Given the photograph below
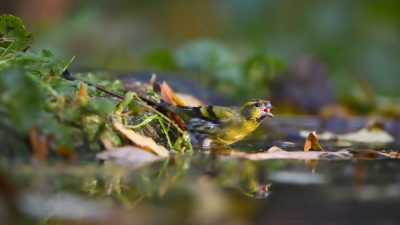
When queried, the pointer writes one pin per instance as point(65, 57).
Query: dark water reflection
point(205, 189)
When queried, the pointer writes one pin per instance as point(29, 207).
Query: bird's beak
point(267, 109)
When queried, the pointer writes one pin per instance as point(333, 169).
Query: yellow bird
point(217, 125)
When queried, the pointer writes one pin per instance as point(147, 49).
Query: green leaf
point(13, 35)
point(21, 96)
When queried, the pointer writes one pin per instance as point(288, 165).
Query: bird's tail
point(167, 106)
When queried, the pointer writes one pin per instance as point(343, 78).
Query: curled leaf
point(312, 143)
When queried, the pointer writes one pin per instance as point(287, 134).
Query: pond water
point(206, 187)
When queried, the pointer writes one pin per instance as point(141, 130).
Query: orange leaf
point(82, 94)
point(312, 142)
point(169, 95)
point(178, 121)
point(189, 100)
point(39, 145)
point(144, 142)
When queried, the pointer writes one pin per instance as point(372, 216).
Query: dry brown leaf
point(189, 100)
point(83, 95)
point(144, 142)
point(169, 96)
point(39, 145)
point(312, 142)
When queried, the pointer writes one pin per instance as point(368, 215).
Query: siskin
point(217, 125)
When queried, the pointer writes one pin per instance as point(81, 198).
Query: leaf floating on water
point(127, 154)
point(281, 154)
point(144, 142)
point(312, 143)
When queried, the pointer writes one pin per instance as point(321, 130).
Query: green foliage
point(20, 98)
point(39, 64)
point(13, 35)
point(33, 93)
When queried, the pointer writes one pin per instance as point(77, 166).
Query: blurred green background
point(303, 55)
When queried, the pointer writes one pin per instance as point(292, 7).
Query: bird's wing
point(214, 114)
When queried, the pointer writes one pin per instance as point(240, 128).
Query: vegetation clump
point(43, 114)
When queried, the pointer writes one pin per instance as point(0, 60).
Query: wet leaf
point(280, 154)
point(141, 141)
point(312, 143)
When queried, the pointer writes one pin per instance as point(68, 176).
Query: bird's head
point(257, 109)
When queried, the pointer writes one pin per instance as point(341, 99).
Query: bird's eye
point(257, 105)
